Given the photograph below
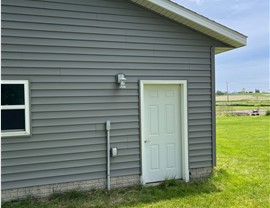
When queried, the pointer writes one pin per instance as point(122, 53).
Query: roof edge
point(195, 21)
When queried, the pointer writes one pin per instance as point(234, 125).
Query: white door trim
point(184, 122)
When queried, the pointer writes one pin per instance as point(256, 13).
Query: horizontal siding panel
point(80, 128)
point(102, 58)
point(199, 98)
point(51, 158)
point(64, 150)
point(101, 3)
point(201, 158)
point(196, 110)
point(126, 172)
point(199, 116)
point(201, 164)
point(126, 165)
point(68, 107)
point(78, 86)
point(194, 51)
point(127, 44)
point(194, 95)
point(49, 144)
point(200, 104)
point(93, 79)
point(112, 66)
point(110, 31)
point(13, 52)
point(73, 135)
point(196, 67)
point(200, 146)
point(78, 8)
point(200, 122)
point(110, 75)
point(200, 152)
point(52, 151)
point(200, 91)
point(65, 157)
point(16, 61)
point(53, 166)
point(67, 178)
point(131, 121)
point(82, 114)
point(194, 134)
point(65, 143)
point(52, 180)
point(53, 173)
point(67, 164)
point(81, 93)
point(125, 159)
point(133, 73)
point(49, 137)
point(64, 28)
point(95, 37)
point(96, 23)
point(65, 171)
point(82, 15)
point(73, 17)
point(200, 128)
point(82, 100)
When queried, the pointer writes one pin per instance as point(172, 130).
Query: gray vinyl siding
point(70, 51)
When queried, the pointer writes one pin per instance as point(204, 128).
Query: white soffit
point(197, 22)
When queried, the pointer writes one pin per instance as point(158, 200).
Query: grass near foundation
point(241, 178)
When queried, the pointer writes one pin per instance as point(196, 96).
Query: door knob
point(146, 141)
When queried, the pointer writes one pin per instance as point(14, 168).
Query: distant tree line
point(219, 92)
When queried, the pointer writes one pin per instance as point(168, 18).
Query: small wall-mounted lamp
point(121, 80)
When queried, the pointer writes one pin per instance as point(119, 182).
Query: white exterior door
point(162, 132)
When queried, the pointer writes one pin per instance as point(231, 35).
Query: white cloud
point(241, 7)
point(198, 2)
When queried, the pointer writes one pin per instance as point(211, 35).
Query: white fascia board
point(195, 21)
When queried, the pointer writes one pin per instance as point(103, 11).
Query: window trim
point(26, 105)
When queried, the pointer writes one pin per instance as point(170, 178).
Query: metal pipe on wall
point(108, 128)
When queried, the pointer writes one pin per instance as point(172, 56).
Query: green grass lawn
point(241, 178)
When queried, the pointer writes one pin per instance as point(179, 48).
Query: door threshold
point(159, 182)
point(153, 183)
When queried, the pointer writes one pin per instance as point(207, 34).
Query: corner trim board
point(213, 78)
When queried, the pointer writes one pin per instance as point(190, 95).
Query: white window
point(15, 119)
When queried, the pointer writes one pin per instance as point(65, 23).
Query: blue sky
point(246, 67)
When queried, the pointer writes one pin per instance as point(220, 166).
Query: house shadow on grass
point(169, 189)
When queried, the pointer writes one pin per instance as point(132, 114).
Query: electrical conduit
point(108, 128)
